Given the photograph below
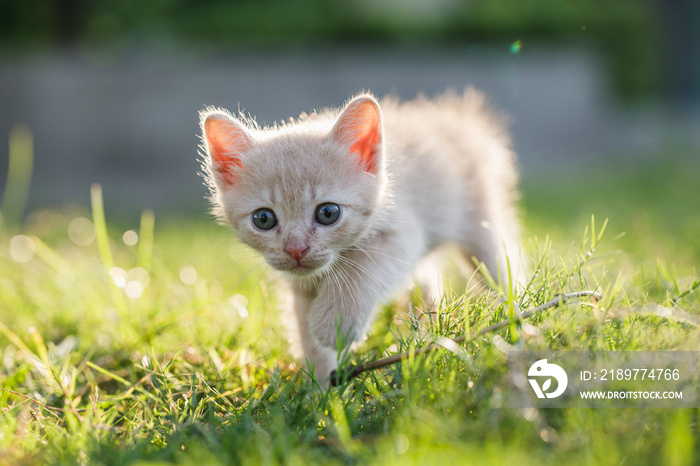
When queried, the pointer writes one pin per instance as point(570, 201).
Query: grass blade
point(98, 218)
point(19, 174)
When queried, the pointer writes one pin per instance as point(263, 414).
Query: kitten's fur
point(408, 177)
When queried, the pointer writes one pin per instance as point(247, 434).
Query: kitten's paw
point(321, 365)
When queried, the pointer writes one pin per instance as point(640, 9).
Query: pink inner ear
point(360, 125)
point(226, 141)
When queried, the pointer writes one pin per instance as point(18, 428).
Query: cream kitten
point(346, 203)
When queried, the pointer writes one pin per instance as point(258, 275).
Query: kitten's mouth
point(303, 269)
point(307, 269)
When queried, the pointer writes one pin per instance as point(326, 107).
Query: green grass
point(172, 349)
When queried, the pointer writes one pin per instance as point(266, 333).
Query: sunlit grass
point(163, 341)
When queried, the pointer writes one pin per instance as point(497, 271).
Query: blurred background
point(109, 91)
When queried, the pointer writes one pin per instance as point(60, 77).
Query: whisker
point(216, 245)
point(375, 250)
point(257, 283)
point(333, 274)
point(383, 289)
point(253, 255)
point(349, 289)
point(359, 267)
point(247, 273)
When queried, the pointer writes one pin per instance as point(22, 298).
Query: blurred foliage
point(164, 343)
point(626, 31)
point(653, 196)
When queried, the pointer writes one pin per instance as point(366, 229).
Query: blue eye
point(328, 213)
point(264, 219)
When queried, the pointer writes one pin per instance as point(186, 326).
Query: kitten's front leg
point(359, 280)
point(318, 360)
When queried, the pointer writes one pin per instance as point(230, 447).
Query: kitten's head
point(303, 193)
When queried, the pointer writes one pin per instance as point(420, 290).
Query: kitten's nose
point(296, 251)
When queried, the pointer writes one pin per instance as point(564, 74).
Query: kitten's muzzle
point(307, 264)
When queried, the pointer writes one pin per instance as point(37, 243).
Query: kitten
point(346, 203)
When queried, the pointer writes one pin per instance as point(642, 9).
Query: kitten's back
point(449, 154)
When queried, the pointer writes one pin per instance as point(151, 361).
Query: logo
point(543, 369)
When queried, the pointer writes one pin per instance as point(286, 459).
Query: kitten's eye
point(264, 219)
point(328, 213)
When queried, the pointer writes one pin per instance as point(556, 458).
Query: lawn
point(162, 341)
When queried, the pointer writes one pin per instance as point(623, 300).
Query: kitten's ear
point(226, 140)
point(360, 127)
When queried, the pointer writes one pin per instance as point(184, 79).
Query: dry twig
point(347, 373)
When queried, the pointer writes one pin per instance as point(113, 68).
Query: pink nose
point(297, 252)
